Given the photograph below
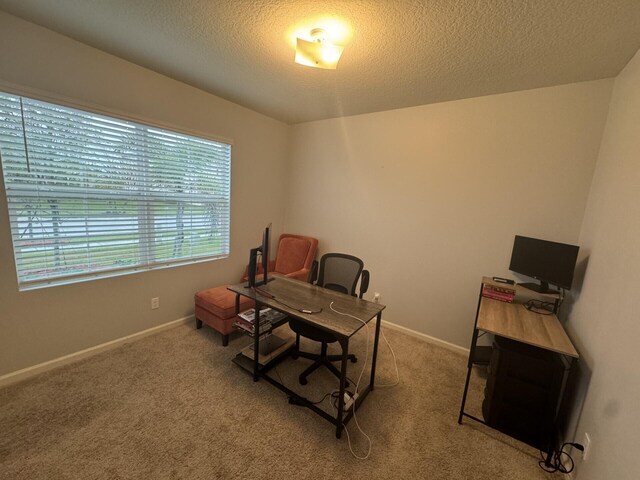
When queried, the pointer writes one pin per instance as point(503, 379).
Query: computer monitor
point(263, 252)
point(269, 342)
point(546, 261)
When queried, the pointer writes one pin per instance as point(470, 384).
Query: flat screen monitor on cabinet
point(548, 262)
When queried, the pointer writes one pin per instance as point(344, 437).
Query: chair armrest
point(364, 282)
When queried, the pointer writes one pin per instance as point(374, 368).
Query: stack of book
point(504, 294)
point(246, 320)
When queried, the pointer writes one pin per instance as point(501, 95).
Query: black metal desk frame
point(325, 297)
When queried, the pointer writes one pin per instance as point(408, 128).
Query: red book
point(490, 293)
point(510, 291)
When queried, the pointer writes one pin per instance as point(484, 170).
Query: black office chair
point(338, 272)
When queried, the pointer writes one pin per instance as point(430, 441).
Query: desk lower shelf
point(245, 358)
point(246, 363)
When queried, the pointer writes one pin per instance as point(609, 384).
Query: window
point(93, 196)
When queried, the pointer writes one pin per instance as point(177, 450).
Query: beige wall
point(604, 320)
point(431, 197)
point(40, 325)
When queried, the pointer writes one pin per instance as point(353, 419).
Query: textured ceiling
point(398, 53)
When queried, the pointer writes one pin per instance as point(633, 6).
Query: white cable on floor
point(395, 364)
point(353, 405)
point(393, 354)
point(355, 418)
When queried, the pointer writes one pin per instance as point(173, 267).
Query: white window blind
point(92, 196)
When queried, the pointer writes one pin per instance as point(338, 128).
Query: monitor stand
point(542, 287)
point(269, 343)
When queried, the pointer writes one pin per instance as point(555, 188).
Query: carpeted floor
point(173, 406)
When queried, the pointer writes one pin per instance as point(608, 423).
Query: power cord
point(395, 363)
point(355, 418)
point(539, 307)
point(556, 461)
point(321, 400)
point(335, 394)
point(308, 311)
point(357, 385)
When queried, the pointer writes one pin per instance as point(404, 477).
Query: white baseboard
point(436, 341)
point(28, 372)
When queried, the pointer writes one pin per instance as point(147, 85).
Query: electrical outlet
point(376, 297)
point(155, 303)
point(586, 443)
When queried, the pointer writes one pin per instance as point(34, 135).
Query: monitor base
point(542, 287)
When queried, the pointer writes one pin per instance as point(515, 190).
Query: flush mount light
point(318, 52)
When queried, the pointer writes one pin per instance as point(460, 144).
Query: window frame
point(116, 115)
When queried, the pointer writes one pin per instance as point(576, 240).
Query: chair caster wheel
point(354, 360)
point(303, 381)
point(294, 356)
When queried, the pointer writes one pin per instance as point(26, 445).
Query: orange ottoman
point(217, 308)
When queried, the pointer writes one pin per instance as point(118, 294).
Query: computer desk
point(292, 295)
point(513, 321)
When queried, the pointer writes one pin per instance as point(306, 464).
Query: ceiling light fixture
point(318, 52)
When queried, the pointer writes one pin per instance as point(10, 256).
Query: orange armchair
point(294, 257)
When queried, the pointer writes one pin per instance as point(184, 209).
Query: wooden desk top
point(297, 294)
point(513, 321)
